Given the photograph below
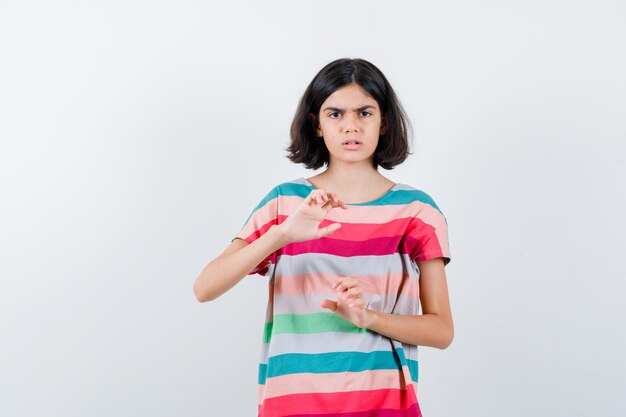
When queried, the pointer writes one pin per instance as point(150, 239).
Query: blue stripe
point(397, 197)
point(322, 363)
point(413, 368)
point(268, 197)
point(262, 373)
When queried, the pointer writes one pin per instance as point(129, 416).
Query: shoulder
point(408, 194)
point(293, 187)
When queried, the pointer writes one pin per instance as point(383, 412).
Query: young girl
point(349, 255)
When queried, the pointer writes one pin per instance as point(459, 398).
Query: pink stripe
point(334, 246)
point(360, 232)
point(334, 382)
point(442, 248)
point(364, 238)
point(412, 411)
point(315, 283)
point(369, 214)
point(259, 220)
point(425, 241)
point(337, 402)
point(283, 206)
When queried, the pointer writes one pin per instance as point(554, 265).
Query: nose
point(350, 123)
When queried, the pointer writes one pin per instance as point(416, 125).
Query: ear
point(315, 122)
point(383, 125)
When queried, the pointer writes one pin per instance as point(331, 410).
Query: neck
point(352, 181)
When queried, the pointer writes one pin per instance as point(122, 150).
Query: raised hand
point(303, 224)
point(350, 304)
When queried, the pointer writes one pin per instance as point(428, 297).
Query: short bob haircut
point(307, 148)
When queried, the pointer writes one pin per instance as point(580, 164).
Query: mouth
point(351, 144)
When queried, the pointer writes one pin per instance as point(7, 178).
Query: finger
point(355, 292)
point(337, 202)
point(359, 303)
point(325, 231)
point(338, 282)
point(349, 297)
point(351, 282)
point(332, 199)
point(334, 202)
point(311, 198)
point(347, 284)
point(329, 304)
point(328, 206)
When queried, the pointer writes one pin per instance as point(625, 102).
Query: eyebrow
point(356, 109)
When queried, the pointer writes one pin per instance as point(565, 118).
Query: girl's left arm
point(434, 327)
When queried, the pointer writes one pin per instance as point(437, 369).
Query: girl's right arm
point(225, 271)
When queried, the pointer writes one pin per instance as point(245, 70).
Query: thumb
point(329, 304)
point(325, 231)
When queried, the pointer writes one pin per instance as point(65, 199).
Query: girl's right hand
point(303, 223)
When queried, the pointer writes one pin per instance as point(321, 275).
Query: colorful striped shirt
point(313, 362)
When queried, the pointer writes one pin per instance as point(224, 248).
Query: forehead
point(351, 93)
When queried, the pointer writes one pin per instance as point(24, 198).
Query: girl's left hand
point(349, 304)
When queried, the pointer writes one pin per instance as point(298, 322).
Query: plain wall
point(137, 136)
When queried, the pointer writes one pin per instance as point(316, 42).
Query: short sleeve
point(260, 220)
point(427, 235)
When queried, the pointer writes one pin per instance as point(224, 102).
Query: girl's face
point(350, 114)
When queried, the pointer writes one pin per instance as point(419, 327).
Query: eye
point(331, 114)
point(366, 112)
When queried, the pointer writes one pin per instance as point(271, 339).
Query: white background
point(137, 136)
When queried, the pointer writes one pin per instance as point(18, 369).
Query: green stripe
point(309, 323)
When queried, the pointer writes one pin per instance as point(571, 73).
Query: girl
point(349, 255)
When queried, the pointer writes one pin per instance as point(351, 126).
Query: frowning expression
point(350, 122)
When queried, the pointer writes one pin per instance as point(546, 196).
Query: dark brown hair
point(307, 148)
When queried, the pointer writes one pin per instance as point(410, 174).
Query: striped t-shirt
point(313, 362)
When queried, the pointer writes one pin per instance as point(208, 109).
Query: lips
point(345, 142)
point(351, 146)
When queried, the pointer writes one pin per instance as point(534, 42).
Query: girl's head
point(319, 123)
